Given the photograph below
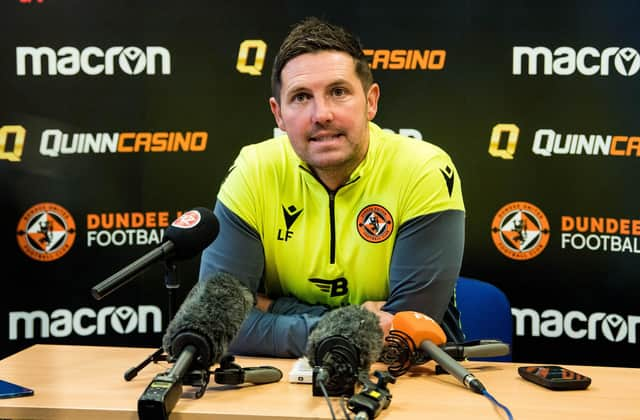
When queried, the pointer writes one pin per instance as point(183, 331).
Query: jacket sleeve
point(283, 330)
point(425, 266)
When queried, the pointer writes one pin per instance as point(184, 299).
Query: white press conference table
point(86, 382)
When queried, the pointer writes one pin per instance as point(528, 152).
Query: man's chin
point(328, 163)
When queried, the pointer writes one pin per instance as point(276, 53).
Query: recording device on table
point(11, 390)
point(557, 378)
point(230, 373)
point(373, 398)
point(185, 238)
point(341, 350)
point(196, 339)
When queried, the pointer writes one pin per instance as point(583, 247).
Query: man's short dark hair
point(313, 35)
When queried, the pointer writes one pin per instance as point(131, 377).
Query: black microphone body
point(196, 338)
point(373, 398)
point(163, 392)
point(132, 270)
point(230, 373)
point(183, 239)
point(345, 342)
point(477, 348)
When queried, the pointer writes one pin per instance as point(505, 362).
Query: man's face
point(325, 110)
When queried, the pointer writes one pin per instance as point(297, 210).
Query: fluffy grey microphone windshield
point(358, 325)
point(209, 318)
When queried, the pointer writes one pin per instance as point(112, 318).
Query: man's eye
point(339, 91)
point(300, 97)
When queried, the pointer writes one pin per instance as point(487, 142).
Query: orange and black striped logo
point(46, 232)
point(520, 230)
point(374, 223)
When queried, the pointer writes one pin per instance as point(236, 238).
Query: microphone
point(230, 373)
point(188, 235)
point(476, 348)
point(373, 398)
point(345, 342)
point(209, 318)
point(399, 351)
point(428, 335)
point(196, 338)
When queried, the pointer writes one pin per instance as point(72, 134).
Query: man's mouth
point(320, 137)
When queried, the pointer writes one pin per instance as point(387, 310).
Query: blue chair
point(485, 313)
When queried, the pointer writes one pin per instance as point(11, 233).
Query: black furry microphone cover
point(209, 318)
point(358, 325)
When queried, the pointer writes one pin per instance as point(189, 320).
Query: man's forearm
point(274, 335)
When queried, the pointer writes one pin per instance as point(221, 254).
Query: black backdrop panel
point(116, 116)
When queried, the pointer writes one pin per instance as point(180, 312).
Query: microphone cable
point(497, 403)
point(326, 398)
point(343, 406)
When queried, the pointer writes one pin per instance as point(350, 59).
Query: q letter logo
point(18, 133)
point(246, 47)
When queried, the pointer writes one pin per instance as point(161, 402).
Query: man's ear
point(275, 110)
point(372, 100)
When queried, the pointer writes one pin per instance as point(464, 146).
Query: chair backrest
point(485, 313)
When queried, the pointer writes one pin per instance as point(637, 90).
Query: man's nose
point(323, 110)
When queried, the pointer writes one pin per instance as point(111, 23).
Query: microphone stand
point(373, 398)
point(171, 283)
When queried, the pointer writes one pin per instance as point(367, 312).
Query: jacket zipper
point(332, 223)
point(332, 213)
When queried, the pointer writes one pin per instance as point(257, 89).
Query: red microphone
point(184, 238)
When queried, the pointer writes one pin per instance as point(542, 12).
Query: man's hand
point(263, 302)
point(385, 318)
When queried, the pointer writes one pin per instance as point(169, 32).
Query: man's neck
point(332, 180)
point(335, 177)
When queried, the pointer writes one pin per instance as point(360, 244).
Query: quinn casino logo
point(520, 230)
point(374, 223)
point(46, 232)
